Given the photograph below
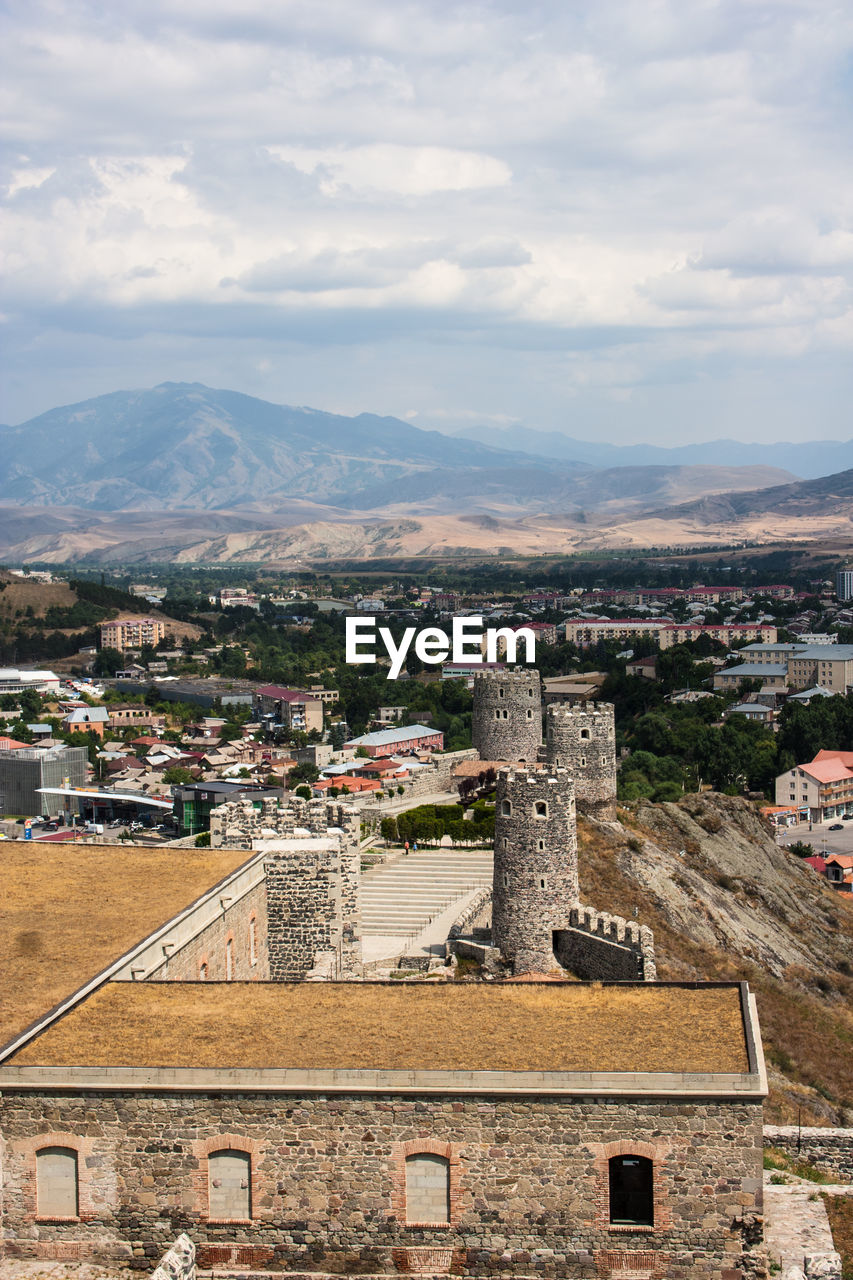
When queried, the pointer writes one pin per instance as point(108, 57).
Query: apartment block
point(824, 786)
point(290, 708)
point(132, 633)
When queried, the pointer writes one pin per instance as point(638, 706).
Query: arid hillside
point(726, 902)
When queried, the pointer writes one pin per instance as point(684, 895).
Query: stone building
point(506, 720)
point(560, 1130)
point(582, 739)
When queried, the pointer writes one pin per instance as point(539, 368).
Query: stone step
point(401, 897)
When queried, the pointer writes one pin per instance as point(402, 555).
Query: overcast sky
point(621, 219)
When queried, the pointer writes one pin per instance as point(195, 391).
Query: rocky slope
point(726, 902)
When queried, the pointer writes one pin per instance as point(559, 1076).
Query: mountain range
point(807, 460)
point(186, 472)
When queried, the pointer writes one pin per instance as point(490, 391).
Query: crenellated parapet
point(596, 945)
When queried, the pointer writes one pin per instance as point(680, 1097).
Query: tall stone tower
point(582, 739)
point(507, 717)
point(536, 865)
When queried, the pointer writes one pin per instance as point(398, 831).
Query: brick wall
point(528, 1181)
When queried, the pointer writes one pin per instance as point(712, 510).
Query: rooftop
point(68, 910)
point(344, 1026)
point(388, 737)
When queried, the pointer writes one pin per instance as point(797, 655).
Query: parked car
point(837, 826)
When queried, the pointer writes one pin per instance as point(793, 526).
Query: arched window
point(582, 762)
point(584, 733)
point(229, 1181)
point(540, 809)
point(506, 808)
point(427, 1189)
point(632, 1191)
point(202, 971)
point(229, 959)
point(56, 1183)
point(529, 714)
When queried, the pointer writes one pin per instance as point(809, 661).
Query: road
point(819, 836)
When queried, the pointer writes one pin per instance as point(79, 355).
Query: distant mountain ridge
point(184, 447)
point(807, 461)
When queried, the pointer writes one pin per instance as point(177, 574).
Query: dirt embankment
point(726, 902)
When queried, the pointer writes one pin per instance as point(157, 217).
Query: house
point(412, 738)
point(838, 870)
point(87, 720)
point(773, 675)
point(644, 667)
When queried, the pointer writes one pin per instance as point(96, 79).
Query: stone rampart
point(312, 873)
point(597, 946)
point(829, 1148)
point(506, 722)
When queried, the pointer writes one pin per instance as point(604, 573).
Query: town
point(284, 848)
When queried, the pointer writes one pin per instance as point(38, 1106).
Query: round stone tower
point(582, 739)
point(507, 718)
point(536, 865)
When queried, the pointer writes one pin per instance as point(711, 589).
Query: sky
point(620, 219)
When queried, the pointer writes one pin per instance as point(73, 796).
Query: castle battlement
point(597, 944)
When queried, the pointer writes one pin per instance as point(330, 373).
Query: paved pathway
point(795, 1222)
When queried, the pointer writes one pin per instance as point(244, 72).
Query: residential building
point(86, 720)
point(134, 714)
point(830, 666)
point(844, 584)
point(24, 771)
point(824, 785)
point(412, 738)
point(773, 675)
point(585, 632)
point(292, 709)
point(132, 633)
point(838, 870)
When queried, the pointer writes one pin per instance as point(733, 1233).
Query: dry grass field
point(472, 1027)
point(67, 911)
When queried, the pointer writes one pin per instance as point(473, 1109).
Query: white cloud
point(600, 196)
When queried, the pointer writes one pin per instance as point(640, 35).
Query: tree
point(304, 792)
point(108, 661)
point(177, 775)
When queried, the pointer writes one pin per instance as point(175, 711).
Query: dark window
point(631, 1193)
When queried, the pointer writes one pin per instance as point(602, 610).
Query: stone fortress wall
point(312, 875)
point(326, 1174)
point(506, 721)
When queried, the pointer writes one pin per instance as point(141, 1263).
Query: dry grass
point(499, 1027)
point(839, 1210)
point(67, 911)
point(806, 1018)
point(20, 593)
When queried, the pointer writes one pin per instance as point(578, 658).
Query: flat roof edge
point(723, 1086)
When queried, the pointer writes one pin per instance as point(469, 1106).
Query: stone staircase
point(399, 898)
